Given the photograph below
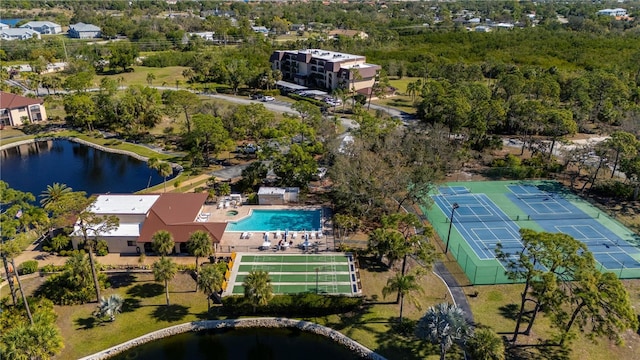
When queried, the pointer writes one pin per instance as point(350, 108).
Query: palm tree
point(150, 77)
point(110, 307)
point(152, 163)
point(485, 345)
point(164, 270)
point(210, 281)
point(199, 244)
point(162, 242)
point(51, 200)
point(405, 286)
point(53, 194)
point(257, 288)
point(78, 270)
point(165, 169)
point(444, 324)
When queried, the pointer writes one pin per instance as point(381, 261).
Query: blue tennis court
point(486, 213)
point(481, 222)
point(554, 213)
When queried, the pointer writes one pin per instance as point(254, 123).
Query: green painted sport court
point(472, 217)
point(334, 274)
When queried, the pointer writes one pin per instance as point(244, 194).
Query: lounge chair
point(249, 235)
point(244, 235)
point(220, 205)
point(319, 234)
point(278, 234)
point(313, 234)
point(294, 235)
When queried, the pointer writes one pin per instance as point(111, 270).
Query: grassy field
point(145, 311)
point(166, 76)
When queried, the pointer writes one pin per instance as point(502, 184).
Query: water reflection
point(32, 167)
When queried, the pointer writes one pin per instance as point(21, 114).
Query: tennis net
point(571, 216)
point(534, 196)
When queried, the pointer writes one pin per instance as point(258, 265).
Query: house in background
point(356, 34)
point(43, 27)
point(141, 216)
point(18, 34)
point(16, 110)
point(613, 12)
point(4, 26)
point(84, 31)
point(277, 196)
point(325, 69)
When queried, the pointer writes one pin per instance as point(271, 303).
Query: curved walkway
point(458, 295)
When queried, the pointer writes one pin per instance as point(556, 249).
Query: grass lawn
point(145, 311)
point(166, 76)
point(497, 305)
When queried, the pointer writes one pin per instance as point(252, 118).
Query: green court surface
point(296, 289)
point(331, 273)
point(485, 213)
point(293, 258)
point(268, 267)
point(301, 278)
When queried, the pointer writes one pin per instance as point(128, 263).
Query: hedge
point(293, 305)
point(28, 267)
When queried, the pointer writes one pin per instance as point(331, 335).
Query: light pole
point(453, 210)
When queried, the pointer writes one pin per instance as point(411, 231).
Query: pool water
point(272, 220)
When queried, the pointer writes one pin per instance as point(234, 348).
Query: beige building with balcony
point(325, 69)
point(16, 110)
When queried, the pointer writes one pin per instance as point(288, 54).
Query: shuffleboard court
point(335, 273)
point(473, 217)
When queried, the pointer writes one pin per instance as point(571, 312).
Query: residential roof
point(80, 27)
point(123, 204)
point(4, 26)
point(18, 32)
point(40, 24)
point(271, 191)
point(330, 55)
point(177, 214)
point(13, 101)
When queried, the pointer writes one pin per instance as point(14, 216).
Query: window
point(131, 243)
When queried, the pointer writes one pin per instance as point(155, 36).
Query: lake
point(32, 167)
point(245, 343)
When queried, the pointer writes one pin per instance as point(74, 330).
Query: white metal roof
point(127, 229)
point(330, 55)
point(271, 191)
point(123, 204)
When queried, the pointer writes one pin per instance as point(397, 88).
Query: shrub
point(295, 305)
point(50, 268)
point(613, 189)
point(71, 252)
point(28, 267)
point(102, 248)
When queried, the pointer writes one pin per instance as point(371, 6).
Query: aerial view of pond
point(246, 343)
point(32, 167)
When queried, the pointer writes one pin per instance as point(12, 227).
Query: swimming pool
point(283, 219)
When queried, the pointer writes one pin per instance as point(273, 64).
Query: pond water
point(32, 167)
point(246, 343)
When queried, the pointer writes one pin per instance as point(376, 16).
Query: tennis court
point(485, 213)
point(334, 274)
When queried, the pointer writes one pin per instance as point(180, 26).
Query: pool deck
point(231, 241)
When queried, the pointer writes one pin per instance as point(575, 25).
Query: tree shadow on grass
point(372, 264)
point(544, 350)
point(355, 320)
point(130, 305)
point(170, 312)
point(148, 290)
point(121, 280)
point(86, 323)
point(509, 311)
point(399, 343)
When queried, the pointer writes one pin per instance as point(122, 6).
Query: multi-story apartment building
point(325, 69)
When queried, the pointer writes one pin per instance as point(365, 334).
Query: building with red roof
point(16, 110)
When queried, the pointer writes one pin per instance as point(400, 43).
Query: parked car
point(268, 98)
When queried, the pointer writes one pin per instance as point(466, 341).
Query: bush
point(28, 267)
point(294, 305)
point(71, 252)
point(613, 189)
point(102, 248)
point(50, 268)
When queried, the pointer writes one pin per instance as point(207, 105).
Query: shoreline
point(195, 326)
point(132, 154)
